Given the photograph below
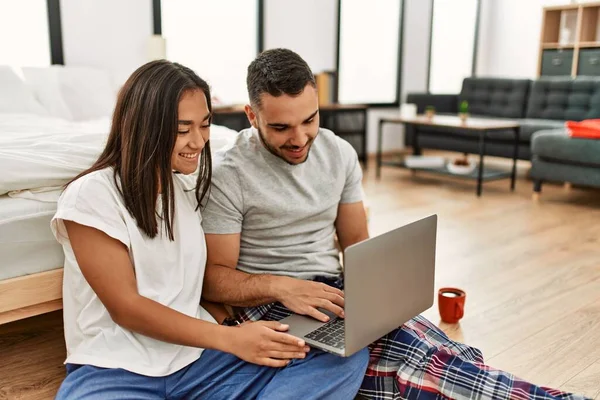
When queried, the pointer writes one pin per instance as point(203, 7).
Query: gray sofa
point(559, 158)
point(538, 105)
point(555, 155)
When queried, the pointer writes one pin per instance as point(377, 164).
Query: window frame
point(402, 19)
point(55, 34)
point(475, 42)
point(157, 22)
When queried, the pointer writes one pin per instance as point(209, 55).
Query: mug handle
point(459, 310)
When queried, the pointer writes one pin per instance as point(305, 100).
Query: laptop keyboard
point(331, 334)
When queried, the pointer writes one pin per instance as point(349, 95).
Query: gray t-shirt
point(285, 213)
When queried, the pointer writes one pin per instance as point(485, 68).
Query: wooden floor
point(531, 272)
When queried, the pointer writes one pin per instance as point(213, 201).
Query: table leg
point(515, 155)
point(416, 149)
point(482, 136)
point(379, 140)
point(415, 132)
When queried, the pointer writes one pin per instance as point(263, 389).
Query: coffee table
point(471, 129)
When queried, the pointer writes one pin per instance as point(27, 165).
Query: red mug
point(451, 304)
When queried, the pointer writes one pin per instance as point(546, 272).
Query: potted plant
point(463, 110)
point(430, 111)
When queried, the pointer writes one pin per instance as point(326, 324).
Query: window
point(25, 34)
point(369, 51)
point(217, 39)
point(452, 44)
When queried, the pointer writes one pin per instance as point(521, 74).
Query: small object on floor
point(461, 166)
point(451, 304)
point(424, 161)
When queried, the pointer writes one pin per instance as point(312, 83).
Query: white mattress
point(27, 245)
point(37, 156)
point(39, 152)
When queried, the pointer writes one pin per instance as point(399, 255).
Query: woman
point(130, 227)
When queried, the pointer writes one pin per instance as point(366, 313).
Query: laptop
point(388, 280)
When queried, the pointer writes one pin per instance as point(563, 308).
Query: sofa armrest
point(443, 103)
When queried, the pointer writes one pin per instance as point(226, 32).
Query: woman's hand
point(264, 343)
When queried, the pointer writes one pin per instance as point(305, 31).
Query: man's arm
point(224, 283)
point(351, 224)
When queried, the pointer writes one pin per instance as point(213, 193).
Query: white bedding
point(27, 245)
point(38, 155)
point(39, 152)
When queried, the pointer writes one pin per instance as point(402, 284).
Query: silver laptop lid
point(388, 280)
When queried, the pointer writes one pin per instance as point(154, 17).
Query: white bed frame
point(30, 295)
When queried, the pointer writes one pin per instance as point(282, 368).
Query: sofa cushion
point(564, 98)
point(557, 145)
point(531, 126)
point(495, 97)
point(443, 103)
point(548, 170)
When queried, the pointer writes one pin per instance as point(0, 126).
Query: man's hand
point(264, 343)
point(303, 297)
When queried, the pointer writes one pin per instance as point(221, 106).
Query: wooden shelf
point(590, 5)
point(589, 24)
point(576, 23)
point(561, 8)
point(558, 46)
point(589, 44)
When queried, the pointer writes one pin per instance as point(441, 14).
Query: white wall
point(113, 35)
point(452, 44)
point(222, 60)
point(106, 34)
point(308, 27)
point(312, 33)
point(485, 34)
point(414, 73)
point(27, 21)
point(511, 29)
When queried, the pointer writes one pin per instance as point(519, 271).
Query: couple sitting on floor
point(156, 236)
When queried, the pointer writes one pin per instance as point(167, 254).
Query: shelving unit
point(570, 40)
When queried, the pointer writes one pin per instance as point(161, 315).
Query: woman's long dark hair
point(142, 139)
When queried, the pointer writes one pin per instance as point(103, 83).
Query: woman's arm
point(106, 266)
point(218, 310)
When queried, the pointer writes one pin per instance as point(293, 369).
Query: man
point(280, 195)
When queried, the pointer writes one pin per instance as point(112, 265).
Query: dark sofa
point(538, 105)
point(557, 157)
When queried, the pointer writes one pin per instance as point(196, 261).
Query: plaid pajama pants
point(418, 361)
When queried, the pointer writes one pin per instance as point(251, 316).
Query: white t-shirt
point(168, 272)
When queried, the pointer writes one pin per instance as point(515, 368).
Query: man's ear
point(251, 116)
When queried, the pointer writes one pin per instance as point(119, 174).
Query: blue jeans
point(217, 375)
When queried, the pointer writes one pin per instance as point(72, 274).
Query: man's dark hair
point(277, 72)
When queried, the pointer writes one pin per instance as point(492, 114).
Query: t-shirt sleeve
point(93, 202)
point(353, 191)
point(223, 213)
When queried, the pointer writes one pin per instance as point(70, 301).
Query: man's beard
point(277, 153)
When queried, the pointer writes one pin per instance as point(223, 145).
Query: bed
point(38, 154)
point(50, 130)
point(31, 260)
